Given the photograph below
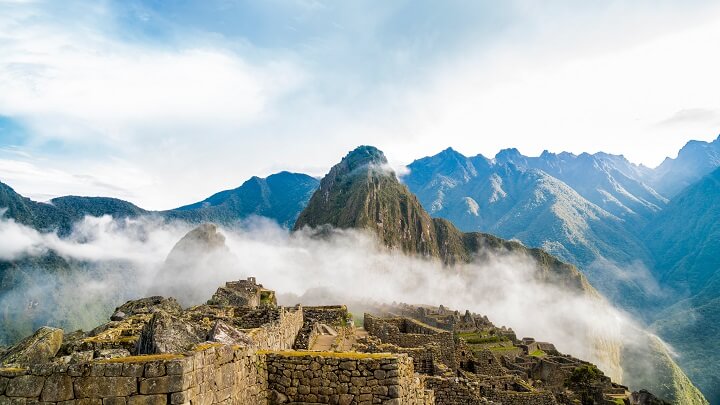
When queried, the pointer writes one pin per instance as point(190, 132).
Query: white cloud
point(45, 183)
point(77, 83)
point(600, 94)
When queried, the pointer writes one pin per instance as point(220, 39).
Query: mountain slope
point(608, 181)
point(685, 237)
point(685, 241)
point(280, 196)
point(41, 216)
point(695, 160)
point(527, 204)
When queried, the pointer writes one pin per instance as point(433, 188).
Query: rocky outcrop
point(168, 333)
point(243, 293)
point(38, 348)
point(183, 275)
point(226, 334)
point(643, 397)
point(147, 305)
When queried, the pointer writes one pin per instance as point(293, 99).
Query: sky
point(165, 103)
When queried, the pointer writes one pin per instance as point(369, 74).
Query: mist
point(110, 261)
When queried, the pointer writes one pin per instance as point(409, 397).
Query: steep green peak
point(363, 156)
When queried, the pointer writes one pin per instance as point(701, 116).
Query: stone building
point(241, 348)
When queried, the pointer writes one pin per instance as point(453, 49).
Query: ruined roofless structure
point(242, 348)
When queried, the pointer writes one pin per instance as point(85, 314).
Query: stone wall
point(485, 363)
point(278, 335)
point(333, 315)
point(210, 376)
point(344, 378)
point(521, 398)
point(405, 332)
point(454, 392)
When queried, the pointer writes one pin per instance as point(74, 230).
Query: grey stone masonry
point(344, 378)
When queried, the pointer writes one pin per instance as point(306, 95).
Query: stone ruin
point(242, 348)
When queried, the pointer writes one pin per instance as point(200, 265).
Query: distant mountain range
point(645, 238)
point(280, 196)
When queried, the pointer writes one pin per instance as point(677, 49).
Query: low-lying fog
point(125, 259)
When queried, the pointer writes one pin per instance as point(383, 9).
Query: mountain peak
point(363, 156)
point(509, 155)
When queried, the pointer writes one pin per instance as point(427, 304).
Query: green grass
point(501, 348)
point(475, 338)
point(538, 353)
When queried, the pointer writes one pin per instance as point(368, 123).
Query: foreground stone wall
point(217, 374)
point(210, 376)
point(344, 378)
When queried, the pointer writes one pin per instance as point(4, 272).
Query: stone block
point(205, 398)
point(166, 384)
point(179, 366)
point(133, 370)
point(224, 376)
point(25, 386)
point(154, 369)
point(346, 399)
point(147, 400)
point(114, 369)
point(115, 401)
point(178, 398)
point(98, 387)
point(12, 401)
point(58, 387)
point(97, 370)
point(77, 370)
point(87, 401)
point(43, 370)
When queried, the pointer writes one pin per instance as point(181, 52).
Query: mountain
point(59, 214)
point(694, 161)
point(280, 196)
point(609, 181)
point(362, 192)
point(685, 242)
point(49, 289)
point(202, 248)
point(506, 197)
point(685, 237)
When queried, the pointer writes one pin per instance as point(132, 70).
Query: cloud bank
point(124, 259)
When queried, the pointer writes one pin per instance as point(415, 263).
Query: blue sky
point(166, 102)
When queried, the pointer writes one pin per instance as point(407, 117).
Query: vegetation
point(339, 355)
point(142, 358)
